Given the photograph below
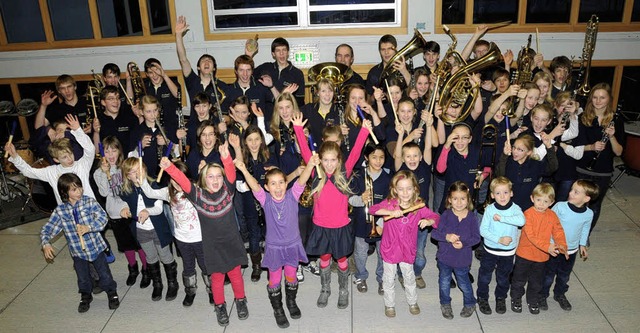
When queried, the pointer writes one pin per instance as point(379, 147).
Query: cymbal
point(7, 108)
point(27, 107)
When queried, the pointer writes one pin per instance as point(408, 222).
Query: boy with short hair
point(81, 219)
point(499, 229)
point(576, 219)
point(560, 68)
point(542, 235)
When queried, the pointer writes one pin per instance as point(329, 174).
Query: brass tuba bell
point(415, 46)
point(457, 90)
point(333, 71)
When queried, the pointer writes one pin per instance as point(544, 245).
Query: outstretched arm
point(181, 28)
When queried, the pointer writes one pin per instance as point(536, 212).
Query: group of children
point(210, 210)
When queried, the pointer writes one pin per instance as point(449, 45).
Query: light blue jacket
point(510, 219)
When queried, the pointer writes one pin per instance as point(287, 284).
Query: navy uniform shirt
point(283, 78)
point(257, 93)
point(373, 78)
point(423, 175)
point(120, 127)
point(592, 134)
point(194, 86)
point(57, 111)
point(316, 122)
point(380, 192)
point(167, 115)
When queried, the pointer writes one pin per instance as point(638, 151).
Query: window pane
point(256, 20)
point(353, 16)
point(601, 74)
point(607, 10)
point(629, 97)
point(453, 11)
point(490, 11)
point(159, 17)
point(346, 2)
point(70, 19)
point(635, 14)
point(548, 11)
point(119, 18)
point(22, 21)
point(235, 4)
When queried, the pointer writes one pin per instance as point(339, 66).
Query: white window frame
point(304, 9)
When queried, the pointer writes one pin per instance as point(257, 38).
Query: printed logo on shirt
point(527, 180)
point(123, 129)
point(254, 100)
point(164, 96)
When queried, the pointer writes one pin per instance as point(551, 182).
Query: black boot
point(343, 289)
point(256, 258)
point(171, 271)
point(133, 274)
point(291, 291)
point(154, 273)
point(325, 282)
point(190, 286)
point(207, 284)
point(114, 301)
point(275, 296)
point(145, 280)
point(222, 315)
point(85, 302)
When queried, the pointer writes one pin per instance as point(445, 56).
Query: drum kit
point(14, 186)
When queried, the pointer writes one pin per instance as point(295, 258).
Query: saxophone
point(340, 107)
point(591, 34)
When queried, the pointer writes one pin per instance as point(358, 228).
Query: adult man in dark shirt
point(247, 85)
point(344, 55)
point(51, 111)
point(281, 75)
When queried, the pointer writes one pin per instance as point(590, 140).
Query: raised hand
point(290, 88)
point(266, 81)
point(165, 162)
point(48, 97)
point(224, 149)
point(297, 120)
point(181, 25)
point(256, 110)
point(73, 122)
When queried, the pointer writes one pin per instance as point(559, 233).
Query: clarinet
point(183, 141)
point(342, 123)
point(605, 138)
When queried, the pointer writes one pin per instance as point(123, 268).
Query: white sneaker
point(313, 268)
point(300, 274)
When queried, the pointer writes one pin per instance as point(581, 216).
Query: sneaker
point(114, 301)
point(222, 315)
point(420, 284)
point(241, 307)
point(312, 268)
point(543, 304)
point(501, 305)
point(563, 301)
point(110, 257)
point(401, 280)
point(361, 285)
point(300, 274)
point(516, 305)
point(389, 311)
point(467, 311)
point(380, 289)
point(414, 309)
point(85, 303)
point(484, 306)
point(533, 308)
point(446, 311)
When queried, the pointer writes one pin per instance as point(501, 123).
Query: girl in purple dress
point(283, 245)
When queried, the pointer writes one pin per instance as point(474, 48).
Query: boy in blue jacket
point(499, 229)
point(576, 219)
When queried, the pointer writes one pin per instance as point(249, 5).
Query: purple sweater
point(469, 233)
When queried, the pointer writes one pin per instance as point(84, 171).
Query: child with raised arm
point(542, 235)
point(456, 234)
point(223, 248)
point(499, 229)
point(576, 219)
point(332, 233)
point(81, 219)
point(399, 243)
point(283, 245)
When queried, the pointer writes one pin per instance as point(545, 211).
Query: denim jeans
point(421, 259)
point(503, 266)
point(252, 221)
point(191, 252)
point(596, 203)
point(560, 269)
point(462, 276)
point(360, 258)
point(85, 282)
point(438, 192)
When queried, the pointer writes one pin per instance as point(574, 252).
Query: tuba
point(416, 45)
point(591, 34)
point(456, 88)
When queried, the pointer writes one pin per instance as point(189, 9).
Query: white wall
point(619, 45)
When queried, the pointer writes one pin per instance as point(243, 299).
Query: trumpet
point(368, 185)
point(136, 81)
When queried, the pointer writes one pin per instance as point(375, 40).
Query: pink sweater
point(330, 206)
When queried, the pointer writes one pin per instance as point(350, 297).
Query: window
point(230, 15)
point(40, 24)
point(629, 98)
point(547, 15)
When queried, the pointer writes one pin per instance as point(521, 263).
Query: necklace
point(279, 212)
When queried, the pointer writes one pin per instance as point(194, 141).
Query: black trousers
point(530, 273)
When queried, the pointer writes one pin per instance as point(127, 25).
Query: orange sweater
point(537, 233)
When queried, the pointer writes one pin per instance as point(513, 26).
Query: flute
point(407, 210)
